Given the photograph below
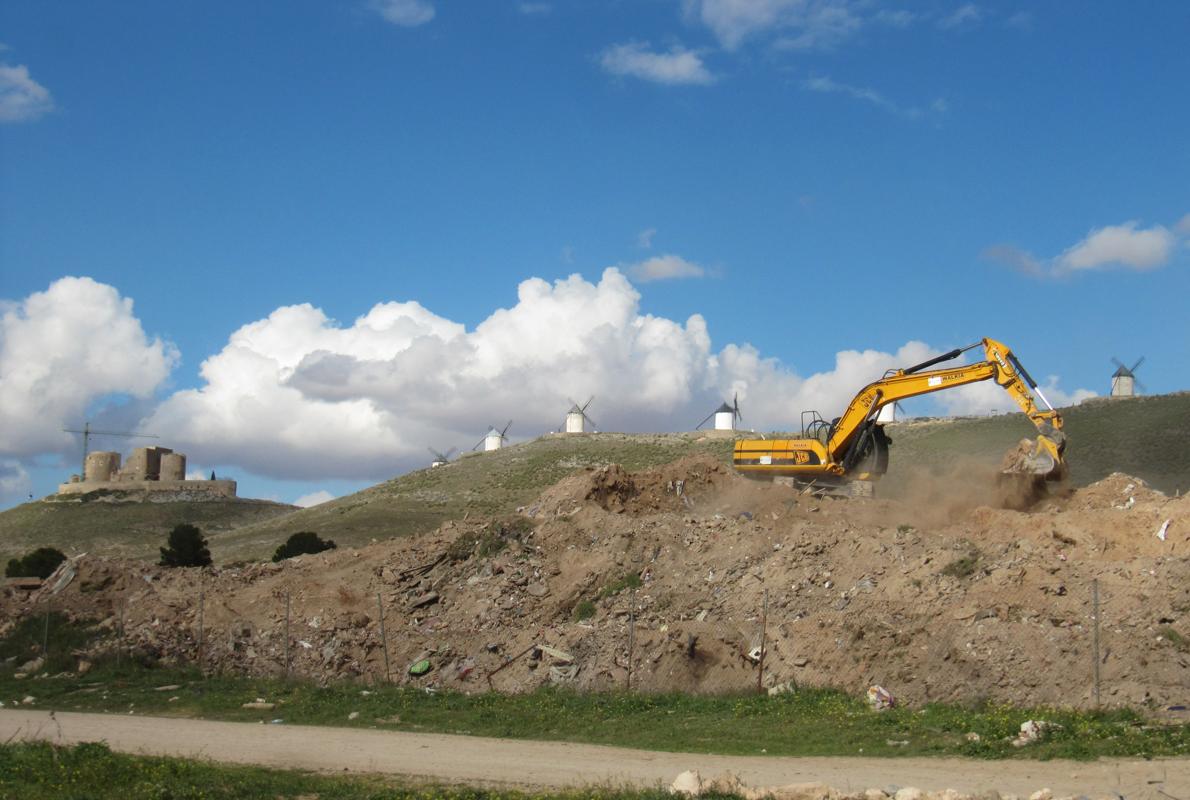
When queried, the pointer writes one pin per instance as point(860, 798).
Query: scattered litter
point(1161, 533)
point(420, 667)
point(353, 715)
point(259, 705)
point(169, 687)
point(556, 654)
point(29, 700)
point(880, 699)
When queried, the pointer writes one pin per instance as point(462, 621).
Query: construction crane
point(88, 433)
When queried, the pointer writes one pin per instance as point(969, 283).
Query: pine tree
point(186, 548)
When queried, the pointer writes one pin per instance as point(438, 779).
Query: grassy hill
point(1148, 437)
point(478, 483)
point(133, 529)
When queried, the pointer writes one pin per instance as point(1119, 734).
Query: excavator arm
point(849, 443)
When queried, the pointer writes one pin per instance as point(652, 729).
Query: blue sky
point(809, 178)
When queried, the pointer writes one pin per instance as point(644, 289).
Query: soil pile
point(677, 575)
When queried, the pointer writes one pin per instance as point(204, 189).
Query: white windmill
point(440, 459)
point(888, 413)
point(725, 416)
point(494, 438)
point(576, 417)
point(1123, 380)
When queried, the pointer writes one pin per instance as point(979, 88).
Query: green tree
point(41, 563)
point(301, 543)
point(186, 548)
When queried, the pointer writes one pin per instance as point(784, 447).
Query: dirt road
point(470, 759)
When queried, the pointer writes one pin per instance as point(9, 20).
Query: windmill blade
point(450, 453)
point(1139, 361)
point(570, 400)
point(735, 406)
point(505, 431)
point(1118, 363)
point(583, 408)
point(435, 454)
point(480, 442)
point(594, 427)
point(704, 422)
point(1140, 385)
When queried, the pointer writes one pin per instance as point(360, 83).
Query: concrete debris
point(1032, 731)
point(1163, 530)
point(259, 705)
point(897, 567)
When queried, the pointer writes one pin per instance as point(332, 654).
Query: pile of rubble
point(673, 579)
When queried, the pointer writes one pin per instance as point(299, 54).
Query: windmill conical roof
point(1122, 372)
point(725, 408)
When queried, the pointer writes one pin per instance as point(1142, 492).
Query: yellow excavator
point(846, 455)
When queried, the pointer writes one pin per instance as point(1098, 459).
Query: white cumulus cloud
point(675, 66)
point(299, 395)
point(22, 99)
point(14, 481)
point(314, 499)
point(964, 17)
point(663, 268)
point(407, 13)
point(62, 349)
point(1123, 245)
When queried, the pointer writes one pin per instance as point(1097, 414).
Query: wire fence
point(769, 645)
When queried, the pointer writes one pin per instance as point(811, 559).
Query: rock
point(874, 794)
point(801, 661)
point(973, 737)
point(800, 791)
point(259, 705)
point(84, 666)
point(31, 666)
point(1033, 730)
point(537, 589)
point(688, 783)
point(782, 688)
point(29, 700)
point(909, 793)
point(353, 715)
point(169, 687)
point(425, 600)
point(1042, 794)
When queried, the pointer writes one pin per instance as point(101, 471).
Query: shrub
point(186, 548)
point(584, 609)
point(302, 543)
point(41, 563)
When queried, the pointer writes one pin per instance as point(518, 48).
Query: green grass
point(132, 529)
point(41, 771)
point(806, 722)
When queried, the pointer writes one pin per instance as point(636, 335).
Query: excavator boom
point(854, 446)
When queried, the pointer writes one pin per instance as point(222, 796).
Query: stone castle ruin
point(148, 469)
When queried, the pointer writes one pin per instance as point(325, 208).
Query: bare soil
point(936, 596)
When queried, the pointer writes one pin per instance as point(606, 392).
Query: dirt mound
point(668, 579)
point(670, 488)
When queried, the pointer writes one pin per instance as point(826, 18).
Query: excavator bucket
point(1033, 457)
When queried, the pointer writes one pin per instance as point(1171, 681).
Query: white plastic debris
point(1163, 530)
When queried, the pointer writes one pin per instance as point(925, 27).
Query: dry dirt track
point(468, 759)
